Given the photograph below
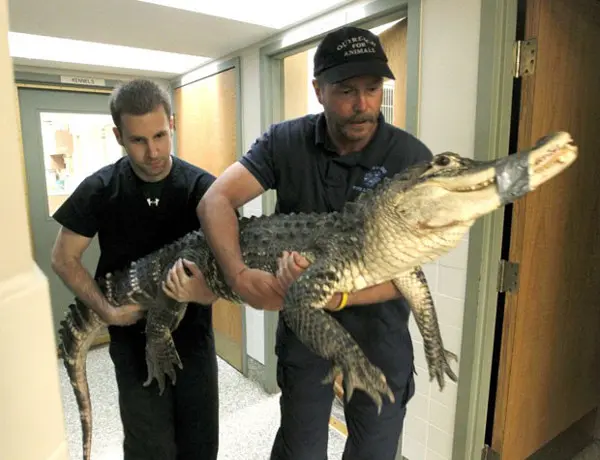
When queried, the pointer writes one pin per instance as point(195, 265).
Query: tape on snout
point(512, 177)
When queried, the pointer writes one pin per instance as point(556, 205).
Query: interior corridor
point(249, 417)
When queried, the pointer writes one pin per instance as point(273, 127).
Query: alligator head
point(454, 191)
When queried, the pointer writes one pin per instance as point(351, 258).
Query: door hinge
point(489, 454)
point(508, 276)
point(524, 57)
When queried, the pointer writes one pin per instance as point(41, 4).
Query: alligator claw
point(161, 359)
point(440, 367)
point(362, 375)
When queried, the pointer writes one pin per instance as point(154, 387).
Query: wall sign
point(87, 81)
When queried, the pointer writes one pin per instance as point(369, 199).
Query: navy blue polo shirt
point(297, 159)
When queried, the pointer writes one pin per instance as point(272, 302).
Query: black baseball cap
point(350, 52)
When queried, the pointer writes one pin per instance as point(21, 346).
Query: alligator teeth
point(476, 187)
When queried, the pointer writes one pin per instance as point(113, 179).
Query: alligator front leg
point(161, 353)
point(415, 289)
point(326, 337)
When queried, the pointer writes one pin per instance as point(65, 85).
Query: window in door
point(74, 146)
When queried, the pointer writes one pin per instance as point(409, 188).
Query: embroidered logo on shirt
point(371, 178)
point(153, 202)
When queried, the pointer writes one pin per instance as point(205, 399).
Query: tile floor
point(591, 452)
point(249, 416)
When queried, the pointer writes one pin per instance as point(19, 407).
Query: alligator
point(387, 234)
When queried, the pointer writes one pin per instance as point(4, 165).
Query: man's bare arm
point(216, 211)
point(292, 264)
point(374, 294)
point(66, 262)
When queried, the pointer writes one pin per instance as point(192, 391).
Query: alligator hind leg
point(415, 290)
point(162, 357)
point(326, 337)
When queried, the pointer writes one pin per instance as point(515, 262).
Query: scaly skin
point(409, 220)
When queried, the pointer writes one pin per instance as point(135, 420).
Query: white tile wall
point(450, 34)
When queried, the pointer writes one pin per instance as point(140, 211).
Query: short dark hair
point(138, 97)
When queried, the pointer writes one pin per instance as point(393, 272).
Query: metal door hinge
point(524, 57)
point(508, 276)
point(489, 454)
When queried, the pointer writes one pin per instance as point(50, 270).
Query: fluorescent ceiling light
point(275, 14)
point(80, 52)
point(382, 28)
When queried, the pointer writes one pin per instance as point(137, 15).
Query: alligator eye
point(442, 160)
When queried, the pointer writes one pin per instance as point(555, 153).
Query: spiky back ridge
point(74, 329)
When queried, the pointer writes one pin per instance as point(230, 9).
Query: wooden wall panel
point(206, 135)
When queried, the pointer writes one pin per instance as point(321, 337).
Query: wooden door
point(549, 374)
point(206, 135)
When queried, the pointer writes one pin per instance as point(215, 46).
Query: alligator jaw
point(454, 191)
point(521, 173)
point(549, 160)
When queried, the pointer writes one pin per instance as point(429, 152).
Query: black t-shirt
point(297, 159)
point(133, 218)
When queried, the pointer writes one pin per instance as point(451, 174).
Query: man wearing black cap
point(317, 163)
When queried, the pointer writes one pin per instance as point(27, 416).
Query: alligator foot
point(359, 373)
point(161, 359)
point(439, 367)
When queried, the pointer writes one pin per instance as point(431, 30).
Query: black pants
point(182, 424)
point(306, 404)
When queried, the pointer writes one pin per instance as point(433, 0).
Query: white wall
point(31, 415)
point(450, 34)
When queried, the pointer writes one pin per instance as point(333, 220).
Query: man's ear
point(318, 91)
point(117, 134)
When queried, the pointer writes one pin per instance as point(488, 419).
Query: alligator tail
point(77, 332)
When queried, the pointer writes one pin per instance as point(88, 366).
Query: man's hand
point(124, 315)
point(259, 289)
point(290, 267)
point(184, 288)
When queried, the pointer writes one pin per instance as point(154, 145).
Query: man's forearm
point(370, 295)
point(80, 282)
point(220, 227)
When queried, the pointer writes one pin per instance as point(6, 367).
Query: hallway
point(249, 416)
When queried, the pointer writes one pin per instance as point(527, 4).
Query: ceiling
point(132, 23)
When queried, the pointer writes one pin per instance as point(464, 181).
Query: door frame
point(193, 76)
point(49, 82)
point(492, 134)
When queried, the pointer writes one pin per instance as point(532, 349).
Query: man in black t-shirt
point(136, 205)
point(317, 163)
